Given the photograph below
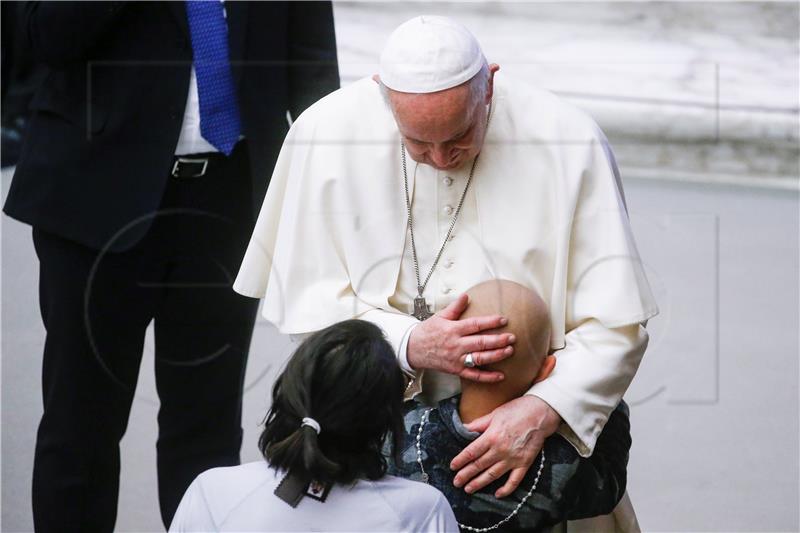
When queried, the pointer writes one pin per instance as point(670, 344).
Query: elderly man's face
point(444, 129)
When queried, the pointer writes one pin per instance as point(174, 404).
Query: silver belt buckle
point(180, 160)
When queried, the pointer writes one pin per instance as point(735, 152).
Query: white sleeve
point(607, 299)
point(440, 519)
point(397, 328)
point(193, 513)
point(591, 374)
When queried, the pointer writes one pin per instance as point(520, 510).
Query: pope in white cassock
point(394, 195)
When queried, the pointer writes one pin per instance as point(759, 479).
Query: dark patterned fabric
point(570, 486)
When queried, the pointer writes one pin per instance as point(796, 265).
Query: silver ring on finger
point(469, 362)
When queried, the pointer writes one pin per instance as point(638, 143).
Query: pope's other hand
point(513, 435)
point(443, 341)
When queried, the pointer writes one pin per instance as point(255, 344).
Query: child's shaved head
point(529, 321)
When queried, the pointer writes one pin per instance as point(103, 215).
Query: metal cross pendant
point(422, 310)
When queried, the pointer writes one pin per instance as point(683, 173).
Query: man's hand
point(443, 341)
point(513, 435)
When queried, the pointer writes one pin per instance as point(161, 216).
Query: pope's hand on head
point(512, 437)
point(443, 341)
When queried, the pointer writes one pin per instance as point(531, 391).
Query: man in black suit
point(148, 154)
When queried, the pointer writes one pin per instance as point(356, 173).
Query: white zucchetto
point(429, 53)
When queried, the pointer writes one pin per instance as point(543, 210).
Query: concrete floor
point(715, 404)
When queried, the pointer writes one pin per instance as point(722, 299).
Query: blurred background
point(700, 103)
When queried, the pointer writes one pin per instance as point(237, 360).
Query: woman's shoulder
point(228, 485)
point(406, 486)
point(413, 501)
point(214, 493)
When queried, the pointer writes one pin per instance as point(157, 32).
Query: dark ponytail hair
point(347, 378)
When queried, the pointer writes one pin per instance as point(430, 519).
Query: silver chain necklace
point(425, 478)
point(422, 310)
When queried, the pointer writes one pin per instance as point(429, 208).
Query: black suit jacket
point(106, 121)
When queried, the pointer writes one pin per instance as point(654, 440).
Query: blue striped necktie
point(219, 113)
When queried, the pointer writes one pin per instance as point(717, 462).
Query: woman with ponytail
point(333, 406)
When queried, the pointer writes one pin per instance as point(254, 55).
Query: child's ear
point(548, 365)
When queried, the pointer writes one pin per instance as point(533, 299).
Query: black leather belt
point(194, 166)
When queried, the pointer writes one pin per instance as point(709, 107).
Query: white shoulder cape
point(328, 242)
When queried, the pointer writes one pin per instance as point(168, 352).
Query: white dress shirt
point(191, 141)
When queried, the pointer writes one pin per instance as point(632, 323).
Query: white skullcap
point(430, 53)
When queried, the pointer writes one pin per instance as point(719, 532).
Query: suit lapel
point(237, 31)
point(237, 28)
point(178, 10)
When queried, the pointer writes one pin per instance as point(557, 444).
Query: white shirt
point(241, 498)
point(545, 210)
point(191, 140)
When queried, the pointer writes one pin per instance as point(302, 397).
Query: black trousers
point(96, 307)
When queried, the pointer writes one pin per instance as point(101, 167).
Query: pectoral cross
point(422, 310)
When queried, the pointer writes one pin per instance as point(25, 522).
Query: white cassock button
point(448, 181)
point(448, 210)
point(446, 290)
point(451, 237)
point(448, 263)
